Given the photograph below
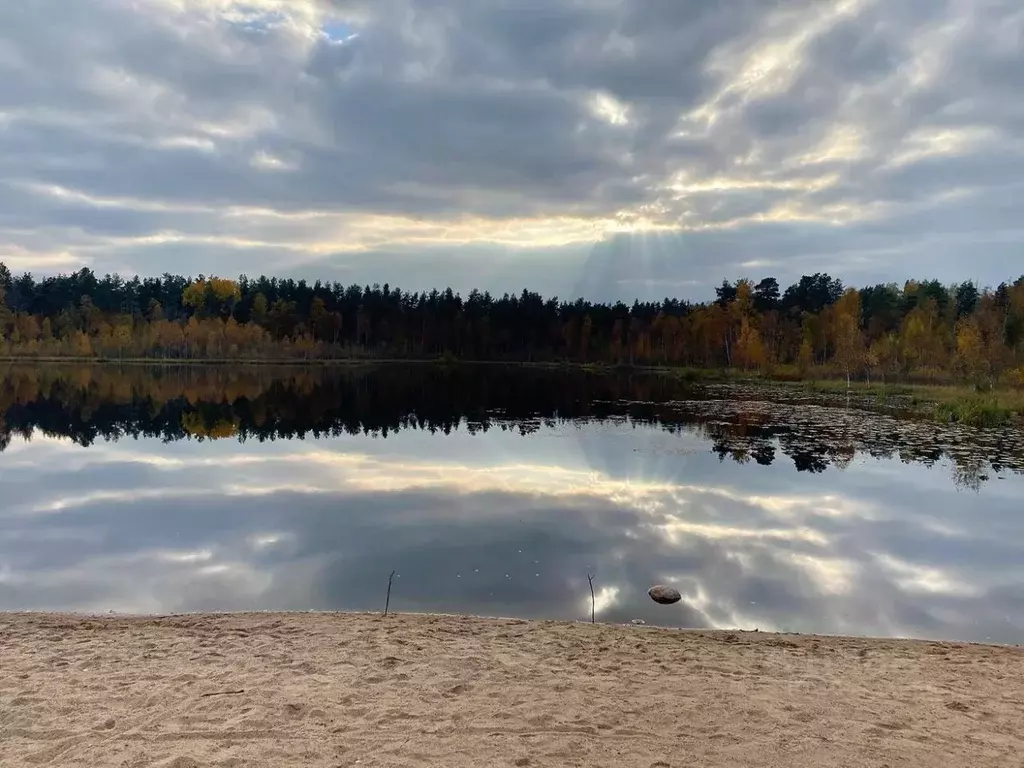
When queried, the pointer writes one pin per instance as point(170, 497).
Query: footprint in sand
point(181, 762)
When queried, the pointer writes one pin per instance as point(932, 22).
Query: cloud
point(498, 524)
point(662, 143)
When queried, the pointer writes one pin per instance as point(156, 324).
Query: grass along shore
point(323, 690)
point(944, 402)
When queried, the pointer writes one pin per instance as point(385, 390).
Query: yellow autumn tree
point(213, 296)
point(122, 338)
point(913, 339)
point(749, 351)
point(849, 343)
point(195, 425)
point(971, 356)
point(81, 345)
point(886, 352)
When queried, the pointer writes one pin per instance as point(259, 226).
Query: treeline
point(90, 403)
point(884, 331)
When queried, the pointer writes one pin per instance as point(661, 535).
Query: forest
point(90, 403)
point(922, 330)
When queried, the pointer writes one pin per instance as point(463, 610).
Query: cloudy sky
point(499, 524)
point(608, 147)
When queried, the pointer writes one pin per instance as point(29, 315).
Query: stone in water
point(664, 595)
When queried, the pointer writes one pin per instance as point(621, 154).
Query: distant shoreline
point(298, 689)
point(819, 376)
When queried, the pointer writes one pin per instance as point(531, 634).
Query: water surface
point(496, 491)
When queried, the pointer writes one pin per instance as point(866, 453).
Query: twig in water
point(387, 602)
point(593, 600)
point(221, 693)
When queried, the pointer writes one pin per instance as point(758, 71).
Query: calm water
point(495, 491)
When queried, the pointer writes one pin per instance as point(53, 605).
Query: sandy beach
point(273, 690)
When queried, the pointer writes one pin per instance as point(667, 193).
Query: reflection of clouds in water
point(294, 525)
point(604, 599)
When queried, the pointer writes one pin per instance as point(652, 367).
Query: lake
point(496, 491)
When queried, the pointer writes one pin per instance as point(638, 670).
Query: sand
point(273, 690)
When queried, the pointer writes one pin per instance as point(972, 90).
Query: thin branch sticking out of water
point(593, 600)
point(387, 602)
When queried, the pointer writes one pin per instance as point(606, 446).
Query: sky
point(606, 148)
point(499, 524)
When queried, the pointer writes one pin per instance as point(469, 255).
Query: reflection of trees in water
point(970, 473)
point(817, 439)
point(196, 425)
point(86, 403)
